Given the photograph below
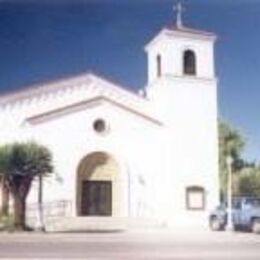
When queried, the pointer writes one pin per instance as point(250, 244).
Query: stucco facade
point(155, 154)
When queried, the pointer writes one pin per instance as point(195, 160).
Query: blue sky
point(43, 40)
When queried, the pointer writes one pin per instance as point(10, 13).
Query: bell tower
point(182, 88)
point(180, 51)
point(179, 57)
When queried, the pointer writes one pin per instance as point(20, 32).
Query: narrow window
point(159, 65)
point(189, 63)
point(195, 198)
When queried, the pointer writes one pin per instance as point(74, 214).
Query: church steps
point(98, 224)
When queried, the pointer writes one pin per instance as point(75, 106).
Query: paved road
point(135, 245)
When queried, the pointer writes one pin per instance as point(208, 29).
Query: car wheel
point(256, 226)
point(215, 225)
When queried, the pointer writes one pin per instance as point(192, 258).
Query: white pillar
point(229, 194)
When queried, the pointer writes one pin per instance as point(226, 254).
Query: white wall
point(130, 140)
point(189, 109)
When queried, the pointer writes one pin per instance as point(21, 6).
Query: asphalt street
point(131, 245)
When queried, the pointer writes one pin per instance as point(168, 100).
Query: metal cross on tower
point(179, 10)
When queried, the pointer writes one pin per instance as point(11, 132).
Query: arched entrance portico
point(98, 186)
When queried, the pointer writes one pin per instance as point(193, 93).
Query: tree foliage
point(249, 182)
point(231, 143)
point(20, 163)
point(246, 175)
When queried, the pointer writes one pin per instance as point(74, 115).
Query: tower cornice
point(183, 32)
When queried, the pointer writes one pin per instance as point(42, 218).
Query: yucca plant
point(20, 163)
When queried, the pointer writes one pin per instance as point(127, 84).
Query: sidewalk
point(192, 236)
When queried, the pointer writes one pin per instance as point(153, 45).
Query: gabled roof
point(190, 30)
point(88, 87)
point(183, 31)
point(59, 84)
point(52, 114)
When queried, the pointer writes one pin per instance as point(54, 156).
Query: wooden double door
point(96, 198)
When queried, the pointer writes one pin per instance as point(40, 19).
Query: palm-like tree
point(20, 163)
point(5, 197)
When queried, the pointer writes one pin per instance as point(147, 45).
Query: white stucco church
point(151, 155)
